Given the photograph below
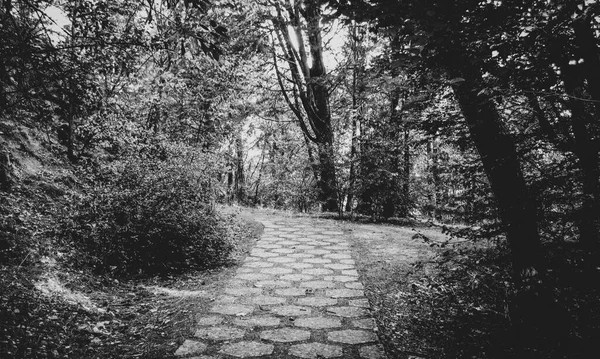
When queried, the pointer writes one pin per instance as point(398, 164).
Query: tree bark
point(498, 155)
point(357, 90)
point(240, 178)
point(586, 146)
point(587, 154)
point(434, 178)
point(404, 209)
point(354, 157)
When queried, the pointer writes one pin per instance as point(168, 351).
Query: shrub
point(152, 218)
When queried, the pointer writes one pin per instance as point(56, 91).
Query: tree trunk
point(433, 178)
point(240, 179)
point(327, 180)
point(319, 113)
point(357, 90)
point(354, 156)
point(587, 154)
point(404, 209)
point(586, 146)
point(501, 164)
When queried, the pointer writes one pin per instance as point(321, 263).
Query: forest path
point(296, 295)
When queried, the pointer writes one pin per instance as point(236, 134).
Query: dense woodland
point(481, 117)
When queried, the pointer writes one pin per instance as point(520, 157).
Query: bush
point(153, 218)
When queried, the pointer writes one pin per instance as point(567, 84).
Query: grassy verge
point(50, 310)
point(458, 301)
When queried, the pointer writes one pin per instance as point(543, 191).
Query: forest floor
point(431, 296)
point(51, 310)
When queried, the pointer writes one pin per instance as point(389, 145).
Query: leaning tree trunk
point(587, 155)
point(586, 146)
point(498, 155)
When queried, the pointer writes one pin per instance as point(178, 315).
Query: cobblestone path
point(297, 295)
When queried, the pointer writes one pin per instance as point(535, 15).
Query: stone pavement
point(297, 295)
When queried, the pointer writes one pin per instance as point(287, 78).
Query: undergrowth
point(463, 304)
point(147, 219)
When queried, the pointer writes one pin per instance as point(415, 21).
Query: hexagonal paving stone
point(242, 291)
point(353, 272)
point(338, 256)
point(333, 233)
point(318, 284)
point(220, 333)
point(335, 240)
point(351, 336)
point(316, 260)
point(300, 255)
point(317, 271)
point(355, 285)
point(318, 323)
point(291, 292)
point(347, 312)
point(257, 322)
point(318, 251)
point(232, 309)
point(344, 293)
point(288, 235)
point(315, 350)
point(285, 335)
point(296, 277)
point(263, 254)
point(338, 266)
point(341, 278)
point(209, 320)
point(283, 250)
point(190, 347)
point(363, 303)
point(247, 349)
point(268, 245)
point(267, 300)
point(339, 246)
point(290, 310)
point(288, 243)
point(259, 264)
point(372, 352)
point(320, 244)
point(298, 265)
point(305, 247)
point(281, 260)
point(277, 270)
point(367, 323)
point(272, 284)
point(253, 276)
point(317, 301)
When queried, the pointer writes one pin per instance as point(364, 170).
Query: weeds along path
point(297, 295)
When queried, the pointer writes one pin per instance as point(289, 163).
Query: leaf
point(456, 80)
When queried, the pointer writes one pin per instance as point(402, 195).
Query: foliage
point(120, 318)
point(151, 218)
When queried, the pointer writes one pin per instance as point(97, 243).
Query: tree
point(297, 37)
point(450, 42)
